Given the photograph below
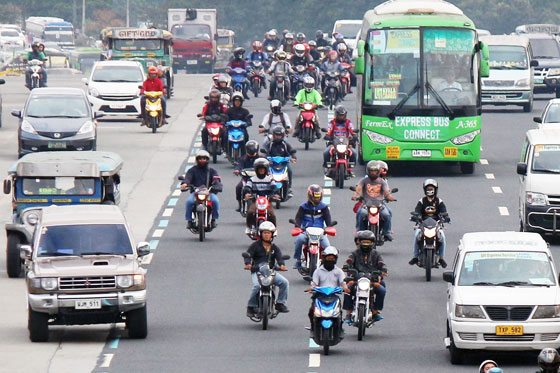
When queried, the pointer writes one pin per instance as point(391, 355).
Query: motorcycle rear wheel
point(341, 176)
point(264, 309)
point(361, 321)
point(306, 137)
point(201, 226)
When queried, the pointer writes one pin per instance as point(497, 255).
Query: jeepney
point(149, 46)
point(55, 178)
point(225, 46)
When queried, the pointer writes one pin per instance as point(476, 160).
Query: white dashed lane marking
point(314, 360)
point(167, 212)
point(106, 360)
point(490, 176)
point(484, 161)
point(158, 232)
point(497, 190)
point(503, 211)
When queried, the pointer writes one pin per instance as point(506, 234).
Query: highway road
point(198, 291)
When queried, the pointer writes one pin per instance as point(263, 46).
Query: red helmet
point(257, 46)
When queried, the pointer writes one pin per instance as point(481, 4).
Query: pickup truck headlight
point(87, 127)
point(469, 312)
point(523, 83)
point(27, 127)
point(49, 283)
point(536, 199)
point(127, 281)
point(378, 138)
point(555, 71)
point(466, 138)
point(93, 92)
point(547, 312)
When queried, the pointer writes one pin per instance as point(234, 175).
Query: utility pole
point(127, 13)
point(84, 17)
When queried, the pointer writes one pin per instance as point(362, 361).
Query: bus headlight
point(378, 138)
point(466, 138)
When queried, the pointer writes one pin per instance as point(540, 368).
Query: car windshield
point(48, 186)
point(191, 31)
point(84, 239)
point(348, 30)
point(552, 114)
point(545, 48)
point(9, 33)
point(137, 44)
point(506, 57)
point(546, 158)
point(224, 40)
point(130, 74)
point(43, 106)
point(506, 268)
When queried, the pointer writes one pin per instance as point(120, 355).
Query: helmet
point(299, 50)
point(272, 33)
point(333, 56)
point(35, 45)
point(548, 360)
point(481, 367)
point(215, 78)
point(330, 250)
point(202, 158)
point(341, 48)
point(308, 83)
point(267, 226)
point(276, 106)
point(339, 37)
point(257, 46)
point(319, 34)
point(340, 111)
point(252, 148)
point(237, 96)
point(383, 166)
point(152, 70)
point(281, 55)
point(314, 194)
point(239, 52)
point(285, 31)
point(214, 96)
point(372, 166)
point(261, 163)
point(366, 240)
point(312, 43)
point(300, 37)
point(427, 183)
point(223, 79)
point(289, 36)
point(278, 134)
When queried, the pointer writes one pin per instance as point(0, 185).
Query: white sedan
point(550, 116)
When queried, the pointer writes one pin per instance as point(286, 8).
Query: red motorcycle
point(339, 167)
point(215, 128)
point(312, 249)
point(307, 120)
point(345, 78)
point(256, 77)
point(263, 204)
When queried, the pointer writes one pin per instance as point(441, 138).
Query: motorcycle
point(215, 128)
point(36, 69)
point(236, 140)
point(256, 77)
point(238, 79)
point(312, 250)
point(345, 79)
point(153, 116)
point(266, 308)
point(429, 240)
point(280, 91)
point(339, 167)
point(327, 317)
point(279, 172)
point(332, 89)
point(202, 211)
point(307, 117)
point(246, 174)
point(262, 204)
point(300, 72)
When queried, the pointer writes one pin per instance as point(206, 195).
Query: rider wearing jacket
point(258, 55)
point(366, 260)
point(202, 175)
point(288, 43)
point(340, 126)
point(212, 107)
point(261, 252)
point(280, 66)
point(430, 206)
point(275, 118)
point(314, 53)
point(271, 39)
point(247, 161)
point(262, 184)
point(239, 61)
point(279, 147)
point(238, 112)
point(308, 94)
point(320, 39)
point(152, 84)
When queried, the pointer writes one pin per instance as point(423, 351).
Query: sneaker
point(388, 237)
point(251, 311)
point(282, 308)
point(442, 263)
point(413, 261)
point(167, 116)
point(297, 264)
point(213, 223)
point(377, 317)
point(348, 319)
point(317, 135)
point(290, 194)
point(190, 224)
point(238, 209)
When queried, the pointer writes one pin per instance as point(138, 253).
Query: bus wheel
point(467, 167)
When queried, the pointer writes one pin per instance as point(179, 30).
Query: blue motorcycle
point(327, 317)
point(279, 172)
point(236, 140)
point(238, 79)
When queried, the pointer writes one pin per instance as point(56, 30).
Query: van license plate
point(88, 304)
point(498, 97)
point(509, 330)
point(117, 106)
point(57, 145)
point(421, 153)
point(192, 62)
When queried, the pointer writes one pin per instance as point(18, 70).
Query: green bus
point(419, 91)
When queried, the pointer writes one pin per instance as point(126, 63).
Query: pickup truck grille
point(78, 283)
point(509, 313)
point(509, 338)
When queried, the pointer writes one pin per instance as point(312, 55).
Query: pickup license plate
point(498, 97)
point(509, 330)
point(117, 106)
point(192, 62)
point(57, 145)
point(421, 153)
point(88, 304)
point(538, 81)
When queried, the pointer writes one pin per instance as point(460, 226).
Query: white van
point(503, 294)
point(539, 175)
point(113, 87)
point(511, 72)
point(348, 28)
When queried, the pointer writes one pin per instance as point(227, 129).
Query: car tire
point(456, 355)
point(467, 168)
point(13, 260)
point(38, 325)
point(137, 323)
point(528, 107)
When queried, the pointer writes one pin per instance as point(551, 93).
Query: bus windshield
point(430, 67)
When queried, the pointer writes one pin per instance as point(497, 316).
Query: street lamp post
point(84, 17)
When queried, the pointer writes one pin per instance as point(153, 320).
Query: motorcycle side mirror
point(324, 130)
point(292, 221)
point(181, 177)
point(286, 257)
point(307, 278)
point(206, 97)
point(139, 87)
point(263, 151)
point(352, 188)
point(246, 255)
point(394, 190)
point(333, 223)
point(448, 277)
point(345, 267)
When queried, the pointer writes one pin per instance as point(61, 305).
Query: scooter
point(262, 204)
point(202, 211)
point(308, 119)
point(429, 241)
point(153, 116)
point(36, 68)
point(236, 140)
point(256, 77)
point(327, 317)
point(279, 172)
point(215, 127)
point(339, 167)
point(267, 294)
point(332, 89)
point(312, 250)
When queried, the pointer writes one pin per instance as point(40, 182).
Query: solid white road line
point(503, 211)
point(314, 360)
point(497, 190)
point(490, 176)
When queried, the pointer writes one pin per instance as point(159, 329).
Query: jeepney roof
point(514, 40)
point(68, 163)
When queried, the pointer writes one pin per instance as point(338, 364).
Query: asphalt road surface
point(198, 291)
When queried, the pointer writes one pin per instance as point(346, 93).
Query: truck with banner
point(51, 29)
point(419, 91)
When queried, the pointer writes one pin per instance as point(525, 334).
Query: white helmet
point(299, 50)
point(267, 226)
point(308, 83)
point(329, 250)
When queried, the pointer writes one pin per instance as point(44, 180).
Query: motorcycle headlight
point(373, 210)
point(378, 138)
point(341, 148)
point(201, 197)
point(214, 131)
point(277, 177)
point(536, 199)
point(49, 283)
point(466, 138)
point(266, 280)
point(307, 107)
point(27, 127)
point(555, 71)
point(523, 82)
point(430, 232)
point(364, 284)
point(126, 281)
point(87, 127)
point(469, 312)
point(547, 312)
point(93, 92)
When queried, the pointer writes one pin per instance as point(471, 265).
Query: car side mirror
point(25, 252)
point(522, 168)
point(534, 63)
point(537, 119)
point(143, 249)
point(85, 81)
point(448, 277)
point(7, 186)
point(16, 113)
point(98, 114)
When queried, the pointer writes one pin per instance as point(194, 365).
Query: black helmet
point(340, 112)
point(366, 241)
point(300, 37)
point(239, 52)
point(319, 34)
point(314, 194)
point(278, 134)
point(252, 148)
point(426, 184)
point(261, 163)
point(549, 360)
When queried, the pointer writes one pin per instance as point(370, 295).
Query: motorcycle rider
point(272, 40)
point(345, 57)
point(279, 147)
point(340, 126)
point(152, 84)
point(247, 161)
point(313, 52)
point(338, 39)
point(320, 39)
point(430, 206)
point(300, 57)
point(373, 187)
point(223, 85)
point(332, 64)
point(238, 112)
point(263, 251)
point(202, 175)
point(548, 360)
point(486, 365)
point(258, 55)
point(274, 118)
point(262, 184)
point(288, 43)
point(300, 38)
point(238, 61)
point(367, 260)
point(212, 107)
point(280, 65)
point(312, 213)
point(308, 94)
point(36, 54)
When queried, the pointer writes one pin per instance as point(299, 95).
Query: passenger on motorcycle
point(343, 55)
point(430, 206)
point(340, 126)
point(288, 43)
point(212, 107)
point(275, 118)
point(262, 184)
point(373, 187)
point(238, 61)
point(366, 260)
point(223, 85)
point(152, 84)
point(300, 38)
point(308, 94)
point(35, 54)
point(247, 161)
point(271, 38)
point(279, 147)
point(202, 175)
point(312, 213)
point(238, 112)
point(548, 361)
point(280, 65)
point(320, 39)
point(261, 252)
point(338, 39)
point(383, 170)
